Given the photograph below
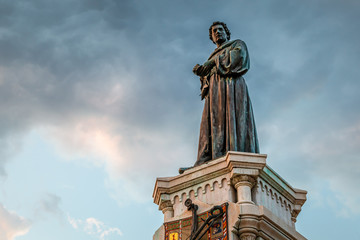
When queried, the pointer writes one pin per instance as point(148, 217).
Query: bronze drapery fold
point(227, 122)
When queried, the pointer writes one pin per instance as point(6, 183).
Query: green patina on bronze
point(227, 122)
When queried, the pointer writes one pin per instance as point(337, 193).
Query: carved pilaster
point(243, 185)
point(167, 208)
point(164, 205)
point(239, 180)
point(248, 236)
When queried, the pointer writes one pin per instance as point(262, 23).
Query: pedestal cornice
point(234, 163)
point(262, 205)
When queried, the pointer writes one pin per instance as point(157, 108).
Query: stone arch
point(267, 190)
point(176, 199)
point(223, 182)
point(183, 197)
point(192, 194)
point(286, 205)
point(207, 188)
point(262, 186)
point(215, 185)
point(199, 193)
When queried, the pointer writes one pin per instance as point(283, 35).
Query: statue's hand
point(209, 64)
point(197, 69)
point(203, 70)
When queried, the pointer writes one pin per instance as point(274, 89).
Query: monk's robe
point(227, 122)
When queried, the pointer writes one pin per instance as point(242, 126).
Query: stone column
point(259, 238)
point(167, 208)
point(247, 236)
point(243, 185)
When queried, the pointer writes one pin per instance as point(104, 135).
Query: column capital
point(247, 236)
point(165, 205)
point(167, 208)
point(243, 180)
point(243, 184)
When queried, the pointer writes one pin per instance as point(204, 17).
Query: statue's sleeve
point(234, 60)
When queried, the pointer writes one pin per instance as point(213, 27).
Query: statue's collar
point(221, 48)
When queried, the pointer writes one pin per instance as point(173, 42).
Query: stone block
point(262, 205)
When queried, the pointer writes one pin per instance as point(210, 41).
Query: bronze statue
point(227, 122)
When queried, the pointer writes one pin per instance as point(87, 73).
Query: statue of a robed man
point(227, 122)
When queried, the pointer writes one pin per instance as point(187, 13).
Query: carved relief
point(294, 215)
point(239, 180)
point(184, 196)
point(205, 188)
point(165, 206)
point(273, 200)
point(248, 236)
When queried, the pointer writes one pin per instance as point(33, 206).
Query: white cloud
point(127, 155)
point(94, 227)
point(11, 224)
point(91, 138)
point(109, 95)
point(322, 158)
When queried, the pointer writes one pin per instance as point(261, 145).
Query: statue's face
point(218, 34)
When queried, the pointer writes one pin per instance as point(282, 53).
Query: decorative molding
point(274, 195)
point(165, 206)
point(271, 178)
point(294, 213)
point(239, 180)
point(232, 163)
point(262, 226)
point(221, 182)
point(248, 236)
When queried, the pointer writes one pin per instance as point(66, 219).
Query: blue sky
point(98, 99)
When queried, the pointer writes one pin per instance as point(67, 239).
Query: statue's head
point(219, 33)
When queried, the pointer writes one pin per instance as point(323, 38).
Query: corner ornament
point(243, 185)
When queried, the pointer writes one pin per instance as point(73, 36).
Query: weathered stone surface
point(261, 204)
point(159, 234)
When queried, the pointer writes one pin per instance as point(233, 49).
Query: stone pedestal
point(261, 204)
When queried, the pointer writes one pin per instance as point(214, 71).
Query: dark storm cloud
point(66, 36)
point(65, 60)
point(46, 51)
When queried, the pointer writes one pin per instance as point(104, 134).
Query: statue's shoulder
point(238, 42)
point(229, 46)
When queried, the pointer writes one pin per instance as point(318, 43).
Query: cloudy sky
point(98, 99)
